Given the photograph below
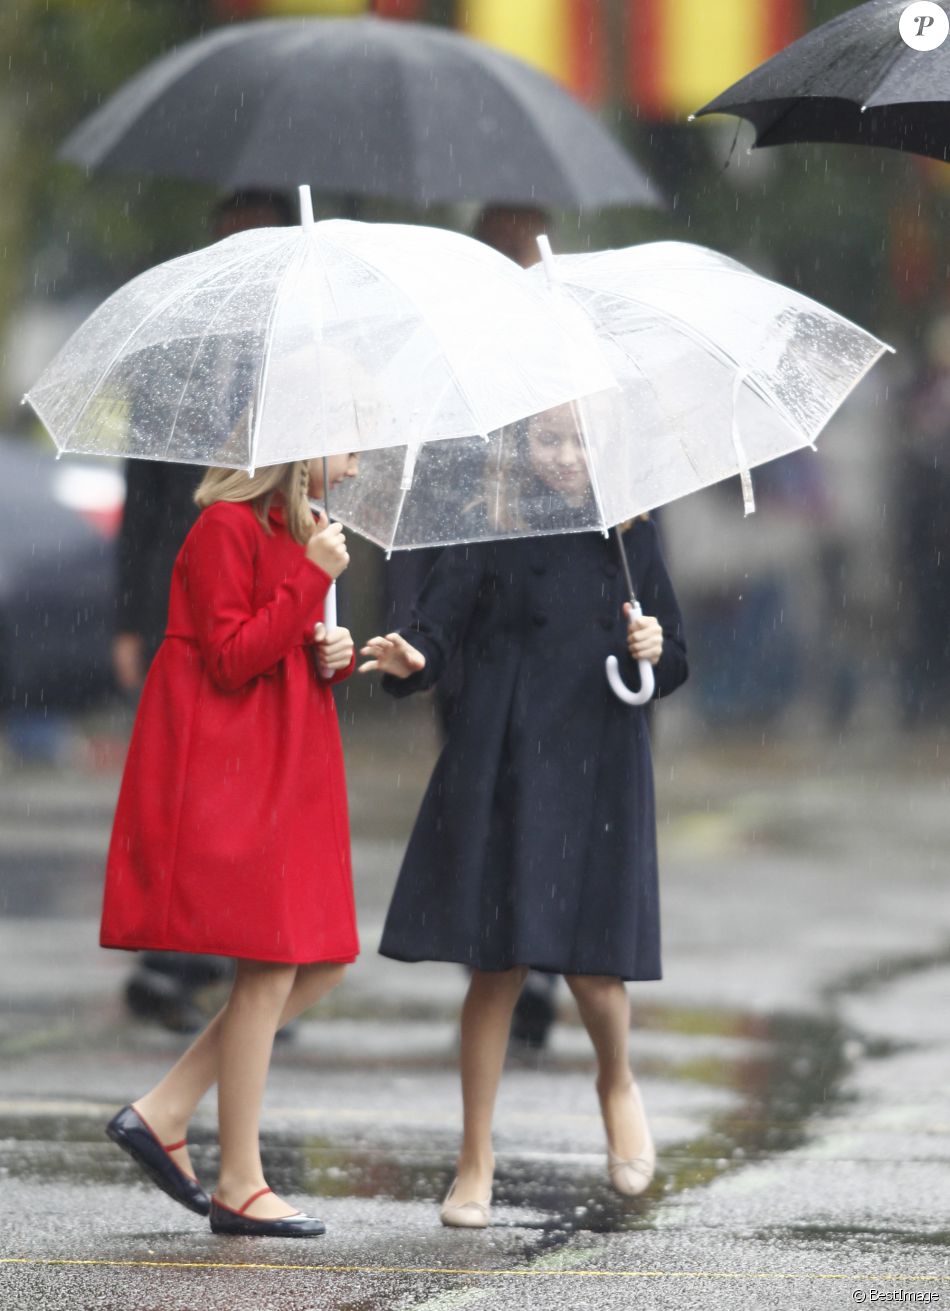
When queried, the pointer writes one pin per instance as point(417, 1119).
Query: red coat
point(231, 834)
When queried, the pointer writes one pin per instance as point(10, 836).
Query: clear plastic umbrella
point(281, 344)
point(286, 343)
point(719, 370)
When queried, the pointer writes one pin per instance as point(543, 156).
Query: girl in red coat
point(231, 835)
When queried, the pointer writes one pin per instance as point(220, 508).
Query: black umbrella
point(853, 80)
point(362, 107)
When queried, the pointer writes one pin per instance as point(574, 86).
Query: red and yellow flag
point(682, 53)
point(564, 38)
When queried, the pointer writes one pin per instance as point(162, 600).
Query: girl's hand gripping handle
point(327, 549)
point(647, 682)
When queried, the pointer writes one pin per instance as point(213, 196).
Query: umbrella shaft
point(626, 565)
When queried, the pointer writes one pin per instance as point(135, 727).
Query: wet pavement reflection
point(793, 1067)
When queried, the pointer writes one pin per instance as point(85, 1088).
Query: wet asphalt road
point(794, 1062)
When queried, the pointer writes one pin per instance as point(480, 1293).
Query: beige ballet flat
point(633, 1176)
point(467, 1215)
point(630, 1177)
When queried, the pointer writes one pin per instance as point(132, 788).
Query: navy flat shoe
point(225, 1220)
point(130, 1132)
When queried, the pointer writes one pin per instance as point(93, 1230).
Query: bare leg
point(245, 1040)
point(486, 1023)
point(605, 1011)
point(169, 1106)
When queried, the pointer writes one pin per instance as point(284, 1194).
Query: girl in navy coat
point(535, 846)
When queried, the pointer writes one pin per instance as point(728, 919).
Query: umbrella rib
point(698, 335)
point(265, 355)
point(571, 194)
point(882, 76)
point(414, 154)
point(741, 377)
point(804, 93)
point(201, 341)
point(627, 354)
point(559, 158)
point(672, 426)
point(156, 79)
point(408, 470)
point(577, 410)
point(424, 318)
point(152, 314)
point(736, 270)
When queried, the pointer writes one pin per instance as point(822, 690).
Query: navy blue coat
point(536, 840)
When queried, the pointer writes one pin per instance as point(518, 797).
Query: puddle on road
point(790, 1068)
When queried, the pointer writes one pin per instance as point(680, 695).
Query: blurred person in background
point(924, 533)
point(759, 599)
point(513, 230)
point(159, 510)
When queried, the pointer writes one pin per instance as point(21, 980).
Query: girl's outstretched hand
point(327, 547)
point(391, 655)
point(644, 636)
point(334, 649)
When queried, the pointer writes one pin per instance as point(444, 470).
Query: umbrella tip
point(547, 255)
point(306, 207)
point(691, 118)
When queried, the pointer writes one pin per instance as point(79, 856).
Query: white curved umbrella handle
point(329, 608)
point(647, 681)
point(329, 621)
point(329, 601)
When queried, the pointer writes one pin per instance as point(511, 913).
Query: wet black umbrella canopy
point(851, 81)
point(363, 107)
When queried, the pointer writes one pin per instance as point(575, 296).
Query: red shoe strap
point(166, 1147)
point(253, 1198)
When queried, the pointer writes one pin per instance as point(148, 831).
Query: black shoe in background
point(289, 1033)
point(191, 970)
point(535, 1011)
point(153, 995)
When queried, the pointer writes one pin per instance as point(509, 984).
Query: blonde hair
point(291, 480)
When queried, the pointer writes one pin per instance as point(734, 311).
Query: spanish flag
point(682, 53)
point(564, 38)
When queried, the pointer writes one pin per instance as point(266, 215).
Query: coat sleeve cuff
point(314, 581)
point(342, 674)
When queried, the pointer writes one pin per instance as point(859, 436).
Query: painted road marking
point(466, 1273)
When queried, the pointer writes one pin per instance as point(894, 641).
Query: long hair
point(507, 486)
point(505, 478)
point(290, 480)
